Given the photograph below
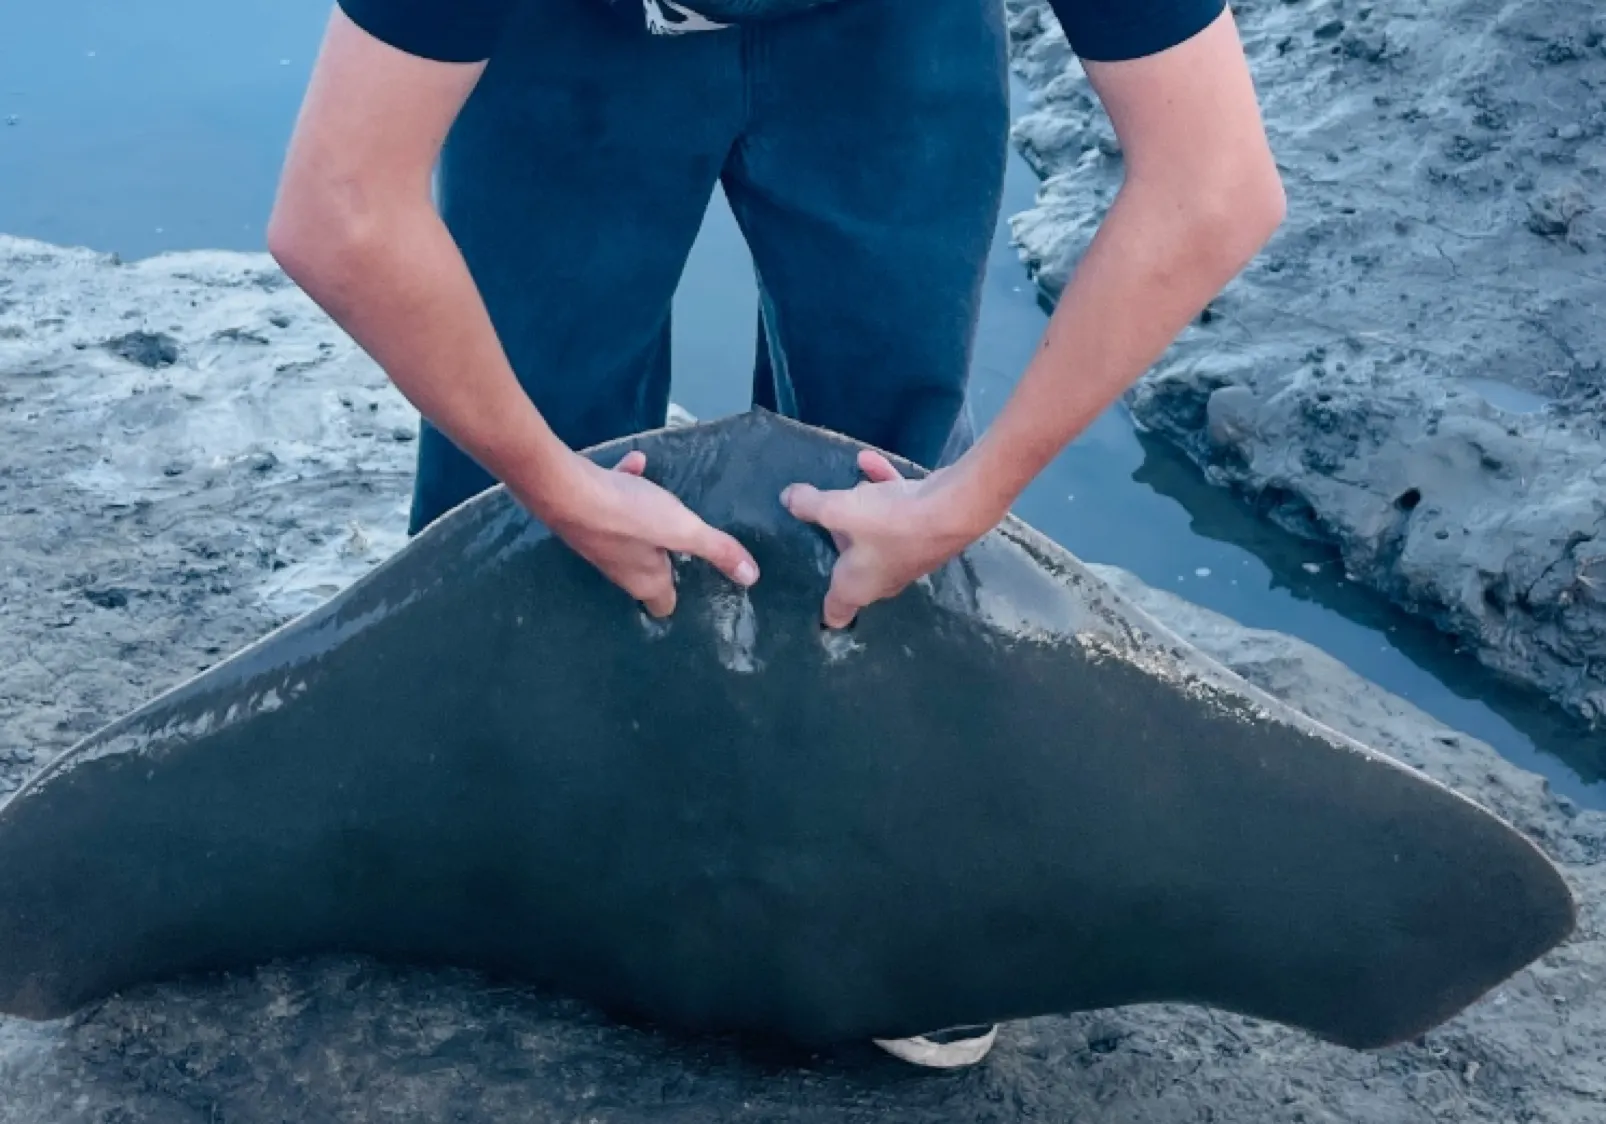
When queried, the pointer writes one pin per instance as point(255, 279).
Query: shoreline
point(1431, 405)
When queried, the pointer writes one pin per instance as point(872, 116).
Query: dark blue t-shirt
point(467, 30)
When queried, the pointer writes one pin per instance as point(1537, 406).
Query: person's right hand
point(625, 526)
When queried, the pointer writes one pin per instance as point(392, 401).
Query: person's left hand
point(889, 532)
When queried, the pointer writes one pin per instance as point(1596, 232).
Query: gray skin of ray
point(1006, 792)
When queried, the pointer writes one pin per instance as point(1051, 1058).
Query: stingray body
point(1006, 792)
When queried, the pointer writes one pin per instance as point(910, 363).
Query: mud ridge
point(1413, 370)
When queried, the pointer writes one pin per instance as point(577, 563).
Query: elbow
point(1265, 206)
point(1233, 215)
point(298, 239)
point(289, 236)
point(315, 240)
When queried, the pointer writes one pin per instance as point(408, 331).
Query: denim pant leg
point(868, 183)
point(765, 394)
point(574, 182)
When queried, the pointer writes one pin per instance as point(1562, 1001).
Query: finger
point(657, 592)
point(721, 551)
point(660, 605)
point(850, 591)
point(840, 607)
point(877, 467)
point(811, 505)
point(634, 463)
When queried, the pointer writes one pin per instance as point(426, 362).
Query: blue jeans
point(861, 145)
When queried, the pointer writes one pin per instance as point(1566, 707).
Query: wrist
point(966, 501)
point(550, 482)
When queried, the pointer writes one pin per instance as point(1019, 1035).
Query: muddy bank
point(190, 454)
point(1413, 370)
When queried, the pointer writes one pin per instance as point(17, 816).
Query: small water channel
point(143, 128)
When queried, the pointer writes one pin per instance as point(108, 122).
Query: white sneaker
point(943, 1049)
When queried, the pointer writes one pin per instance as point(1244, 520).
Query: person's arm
point(1201, 196)
point(355, 226)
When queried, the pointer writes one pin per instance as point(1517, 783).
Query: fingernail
point(747, 573)
point(786, 496)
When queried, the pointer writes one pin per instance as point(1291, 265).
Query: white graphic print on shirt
point(661, 24)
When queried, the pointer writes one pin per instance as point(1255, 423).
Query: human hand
point(889, 531)
point(625, 526)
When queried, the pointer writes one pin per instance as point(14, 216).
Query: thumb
point(808, 503)
point(634, 463)
point(877, 468)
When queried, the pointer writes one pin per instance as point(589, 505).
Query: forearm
point(1154, 264)
point(355, 227)
point(1200, 198)
point(395, 281)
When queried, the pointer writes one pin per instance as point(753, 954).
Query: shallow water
point(126, 133)
point(1511, 399)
